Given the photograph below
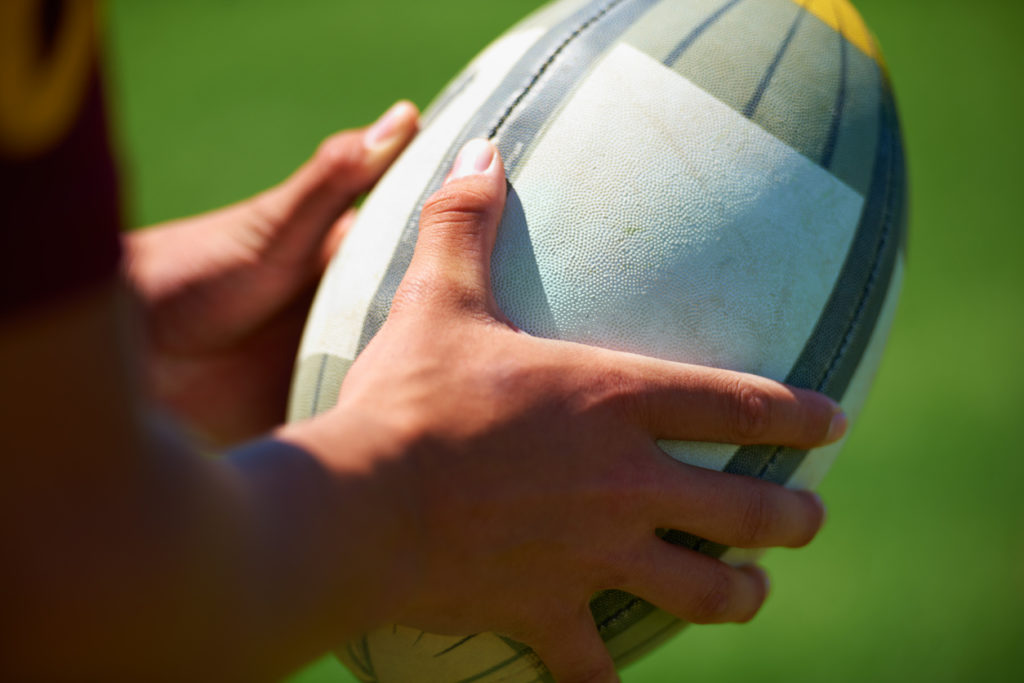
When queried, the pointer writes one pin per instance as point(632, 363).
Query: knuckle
point(636, 480)
point(411, 294)
point(464, 298)
point(467, 205)
point(619, 390)
point(759, 520)
point(434, 294)
point(714, 598)
point(752, 410)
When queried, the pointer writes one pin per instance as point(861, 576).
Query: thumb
point(298, 213)
point(458, 226)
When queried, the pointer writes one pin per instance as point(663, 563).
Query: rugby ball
point(717, 182)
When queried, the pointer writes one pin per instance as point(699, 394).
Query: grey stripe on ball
point(837, 344)
point(869, 268)
point(316, 385)
point(665, 626)
point(835, 348)
point(563, 55)
point(519, 128)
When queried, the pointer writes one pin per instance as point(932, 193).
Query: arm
point(128, 556)
point(134, 557)
point(123, 542)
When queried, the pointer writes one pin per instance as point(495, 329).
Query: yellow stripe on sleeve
point(41, 90)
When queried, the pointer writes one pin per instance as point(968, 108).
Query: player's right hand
point(522, 475)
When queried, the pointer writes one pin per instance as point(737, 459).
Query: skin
point(471, 477)
point(224, 295)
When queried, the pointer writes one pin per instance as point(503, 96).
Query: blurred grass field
point(919, 573)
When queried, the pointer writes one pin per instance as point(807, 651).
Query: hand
point(522, 475)
point(224, 295)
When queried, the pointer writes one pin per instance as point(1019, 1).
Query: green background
point(918, 574)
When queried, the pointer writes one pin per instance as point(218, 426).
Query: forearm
point(231, 571)
point(330, 537)
point(129, 556)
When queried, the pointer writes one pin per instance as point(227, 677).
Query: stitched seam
point(858, 314)
point(547, 63)
point(319, 384)
point(868, 288)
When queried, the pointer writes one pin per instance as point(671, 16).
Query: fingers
point(693, 403)
point(695, 587)
point(334, 237)
point(573, 650)
point(347, 164)
point(731, 510)
point(458, 226)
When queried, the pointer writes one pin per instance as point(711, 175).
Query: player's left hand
point(225, 294)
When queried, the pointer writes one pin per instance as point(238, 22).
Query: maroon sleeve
point(59, 207)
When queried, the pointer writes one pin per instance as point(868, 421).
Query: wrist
point(333, 523)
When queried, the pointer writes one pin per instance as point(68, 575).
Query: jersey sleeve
point(60, 212)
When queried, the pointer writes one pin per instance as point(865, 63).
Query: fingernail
point(765, 579)
point(837, 428)
point(388, 128)
point(821, 504)
point(767, 582)
point(476, 157)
